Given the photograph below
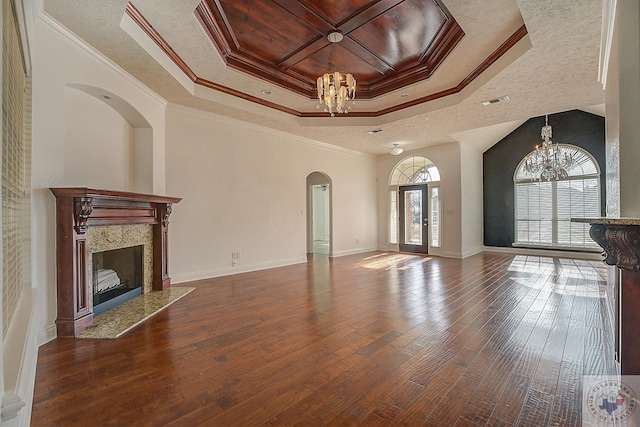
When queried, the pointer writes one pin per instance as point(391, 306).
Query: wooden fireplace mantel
point(620, 239)
point(78, 208)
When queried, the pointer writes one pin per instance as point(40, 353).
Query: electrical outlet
point(233, 263)
point(238, 255)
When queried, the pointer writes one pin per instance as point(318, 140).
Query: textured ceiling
point(553, 68)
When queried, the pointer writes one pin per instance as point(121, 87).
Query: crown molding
point(606, 38)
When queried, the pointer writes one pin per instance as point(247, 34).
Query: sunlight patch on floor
point(387, 260)
point(562, 276)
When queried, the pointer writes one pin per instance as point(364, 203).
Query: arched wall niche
point(110, 143)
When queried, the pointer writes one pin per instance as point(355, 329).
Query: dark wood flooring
point(370, 339)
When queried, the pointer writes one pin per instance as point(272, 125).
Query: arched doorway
point(414, 206)
point(319, 192)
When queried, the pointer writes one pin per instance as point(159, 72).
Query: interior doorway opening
point(319, 194)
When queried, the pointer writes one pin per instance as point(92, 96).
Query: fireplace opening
point(117, 277)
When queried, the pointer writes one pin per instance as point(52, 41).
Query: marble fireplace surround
point(114, 218)
point(106, 238)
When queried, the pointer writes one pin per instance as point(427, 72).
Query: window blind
point(15, 158)
point(544, 208)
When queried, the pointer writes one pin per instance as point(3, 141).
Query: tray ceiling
point(423, 67)
point(386, 45)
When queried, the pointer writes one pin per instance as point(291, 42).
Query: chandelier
point(337, 91)
point(548, 161)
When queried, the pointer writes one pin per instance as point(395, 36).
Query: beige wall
point(471, 194)
point(244, 190)
point(98, 143)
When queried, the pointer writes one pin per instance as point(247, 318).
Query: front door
point(414, 223)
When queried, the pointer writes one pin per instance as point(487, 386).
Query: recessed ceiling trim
point(229, 91)
point(151, 32)
point(142, 22)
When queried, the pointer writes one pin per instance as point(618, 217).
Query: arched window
point(544, 209)
point(414, 170)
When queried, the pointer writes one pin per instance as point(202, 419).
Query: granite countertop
point(608, 221)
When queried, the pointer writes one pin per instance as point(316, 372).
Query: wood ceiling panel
point(335, 58)
point(403, 33)
point(264, 29)
point(337, 11)
point(387, 44)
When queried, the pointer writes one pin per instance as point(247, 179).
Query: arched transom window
point(414, 170)
point(544, 209)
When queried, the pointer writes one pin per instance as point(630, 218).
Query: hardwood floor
point(369, 339)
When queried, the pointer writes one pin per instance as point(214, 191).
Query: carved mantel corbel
point(166, 214)
point(82, 208)
point(621, 244)
point(619, 238)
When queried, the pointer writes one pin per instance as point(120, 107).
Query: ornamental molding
point(621, 245)
point(83, 206)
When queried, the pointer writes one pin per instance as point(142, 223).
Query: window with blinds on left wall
point(16, 105)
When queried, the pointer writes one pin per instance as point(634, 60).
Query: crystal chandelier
point(548, 161)
point(337, 91)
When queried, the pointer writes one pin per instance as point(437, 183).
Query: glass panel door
point(414, 220)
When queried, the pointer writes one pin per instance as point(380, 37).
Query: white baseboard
point(49, 334)
point(448, 254)
point(472, 252)
point(228, 271)
point(545, 252)
point(353, 251)
point(20, 358)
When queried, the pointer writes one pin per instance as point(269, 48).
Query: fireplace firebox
point(116, 277)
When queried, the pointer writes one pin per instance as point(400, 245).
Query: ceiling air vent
point(495, 100)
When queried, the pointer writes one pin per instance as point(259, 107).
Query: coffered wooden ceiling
point(387, 44)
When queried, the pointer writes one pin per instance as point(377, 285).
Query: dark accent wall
point(574, 127)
